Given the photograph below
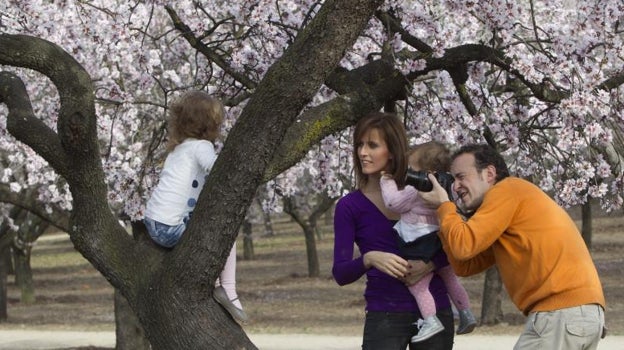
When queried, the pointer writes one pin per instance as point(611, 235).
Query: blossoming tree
point(84, 88)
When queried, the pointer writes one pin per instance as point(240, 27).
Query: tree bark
point(586, 231)
point(491, 306)
point(314, 269)
point(27, 200)
point(5, 256)
point(23, 273)
point(128, 330)
point(309, 223)
point(30, 229)
point(6, 264)
point(248, 248)
point(329, 216)
point(268, 224)
point(171, 290)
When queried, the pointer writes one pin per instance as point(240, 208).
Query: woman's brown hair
point(196, 115)
point(393, 132)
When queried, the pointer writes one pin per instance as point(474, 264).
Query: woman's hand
point(417, 269)
point(388, 263)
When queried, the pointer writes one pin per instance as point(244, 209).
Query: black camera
point(420, 181)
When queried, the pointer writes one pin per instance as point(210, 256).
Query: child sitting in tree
point(193, 128)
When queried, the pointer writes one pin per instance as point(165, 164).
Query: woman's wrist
point(367, 260)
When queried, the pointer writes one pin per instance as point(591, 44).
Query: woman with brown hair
point(361, 218)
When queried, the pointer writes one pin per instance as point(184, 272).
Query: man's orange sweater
point(539, 251)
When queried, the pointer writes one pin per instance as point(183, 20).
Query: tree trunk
point(268, 225)
point(248, 249)
point(6, 264)
point(23, 272)
point(30, 229)
point(309, 223)
point(4, 254)
point(164, 313)
point(586, 230)
point(22, 248)
point(266, 218)
point(128, 330)
point(312, 254)
point(309, 231)
point(171, 290)
point(10, 266)
point(329, 217)
point(491, 306)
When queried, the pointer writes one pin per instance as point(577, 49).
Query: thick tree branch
point(367, 88)
point(613, 82)
point(77, 121)
point(77, 113)
point(458, 72)
point(6, 233)
point(285, 90)
point(27, 200)
point(308, 219)
point(94, 230)
point(190, 269)
point(364, 89)
point(394, 25)
point(24, 126)
point(481, 53)
point(614, 158)
point(459, 75)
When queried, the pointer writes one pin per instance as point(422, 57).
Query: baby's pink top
point(407, 202)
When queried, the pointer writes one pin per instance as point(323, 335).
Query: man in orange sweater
point(541, 256)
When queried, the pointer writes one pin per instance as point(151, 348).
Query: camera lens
point(419, 180)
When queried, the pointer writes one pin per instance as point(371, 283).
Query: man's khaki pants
point(573, 328)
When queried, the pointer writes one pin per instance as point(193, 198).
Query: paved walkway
point(37, 340)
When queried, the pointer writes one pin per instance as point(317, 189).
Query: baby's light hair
point(431, 156)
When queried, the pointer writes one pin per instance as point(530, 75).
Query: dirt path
point(73, 298)
point(38, 340)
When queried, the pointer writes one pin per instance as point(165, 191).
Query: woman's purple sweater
point(357, 220)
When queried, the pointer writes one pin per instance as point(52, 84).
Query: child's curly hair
point(196, 115)
point(431, 156)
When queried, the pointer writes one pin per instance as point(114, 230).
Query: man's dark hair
point(485, 155)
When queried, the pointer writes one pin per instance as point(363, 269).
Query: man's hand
point(436, 196)
point(416, 271)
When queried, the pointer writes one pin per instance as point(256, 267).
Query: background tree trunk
point(6, 263)
point(311, 252)
point(248, 249)
point(491, 306)
point(23, 271)
point(328, 217)
point(31, 228)
point(305, 222)
point(586, 230)
point(5, 255)
point(128, 330)
point(306, 214)
point(266, 216)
